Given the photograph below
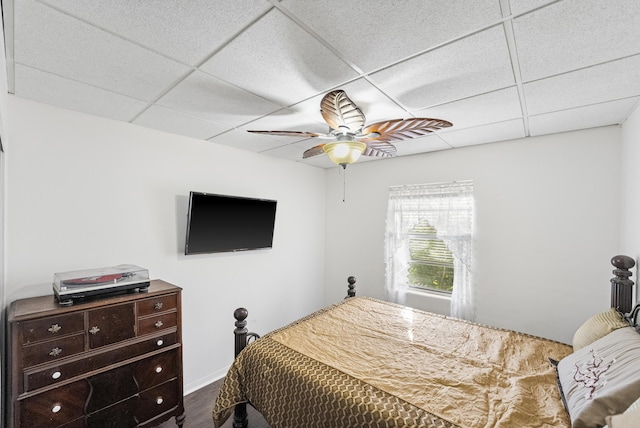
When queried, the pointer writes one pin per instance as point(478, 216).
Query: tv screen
point(221, 223)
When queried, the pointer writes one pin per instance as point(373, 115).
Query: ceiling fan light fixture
point(344, 152)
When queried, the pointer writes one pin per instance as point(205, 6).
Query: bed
point(364, 362)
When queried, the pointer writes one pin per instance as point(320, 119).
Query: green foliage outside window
point(431, 265)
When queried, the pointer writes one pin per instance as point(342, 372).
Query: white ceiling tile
point(502, 131)
point(188, 32)
point(50, 89)
point(472, 66)
point(522, 6)
point(497, 106)
point(54, 42)
point(610, 81)
point(374, 33)
point(277, 60)
point(173, 121)
point(288, 152)
point(206, 97)
point(582, 118)
point(246, 141)
point(414, 146)
point(576, 33)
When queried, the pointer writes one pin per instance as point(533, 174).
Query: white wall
point(547, 225)
point(3, 134)
point(630, 185)
point(85, 192)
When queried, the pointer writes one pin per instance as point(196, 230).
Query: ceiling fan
point(349, 136)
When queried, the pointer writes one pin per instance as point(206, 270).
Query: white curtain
point(448, 207)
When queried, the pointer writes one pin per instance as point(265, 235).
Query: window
point(429, 243)
point(430, 261)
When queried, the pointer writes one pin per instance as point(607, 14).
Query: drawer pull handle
point(157, 306)
point(160, 342)
point(54, 328)
point(55, 352)
point(159, 400)
point(94, 329)
point(56, 408)
point(56, 375)
point(159, 369)
point(158, 324)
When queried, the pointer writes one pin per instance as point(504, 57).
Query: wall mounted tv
point(221, 223)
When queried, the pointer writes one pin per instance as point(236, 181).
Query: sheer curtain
point(448, 207)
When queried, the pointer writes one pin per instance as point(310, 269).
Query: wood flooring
point(199, 404)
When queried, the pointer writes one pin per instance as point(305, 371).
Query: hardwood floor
point(199, 404)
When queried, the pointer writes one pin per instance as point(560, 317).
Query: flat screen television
point(222, 223)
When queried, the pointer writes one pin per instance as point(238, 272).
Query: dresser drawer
point(120, 415)
point(157, 369)
point(157, 304)
point(157, 323)
point(56, 407)
point(156, 401)
point(52, 350)
point(55, 373)
point(111, 387)
point(111, 324)
point(52, 327)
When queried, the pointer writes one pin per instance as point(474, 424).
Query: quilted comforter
point(368, 363)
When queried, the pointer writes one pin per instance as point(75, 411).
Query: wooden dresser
point(109, 362)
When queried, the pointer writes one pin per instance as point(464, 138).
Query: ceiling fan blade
point(313, 151)
point(301, 134)
point(340, 112)
point(381, 149)
point(403, 129)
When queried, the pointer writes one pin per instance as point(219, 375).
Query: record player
point(91, 283)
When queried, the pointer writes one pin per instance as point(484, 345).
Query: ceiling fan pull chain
point(344, 183)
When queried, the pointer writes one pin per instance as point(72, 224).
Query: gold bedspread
point(365, 362)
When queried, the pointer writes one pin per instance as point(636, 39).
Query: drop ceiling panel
point(245, 140)
point(212, 99)
point(497, 106)
point(520, 6)
point(374, 33)
point(288, 152)
point(278, 60)
point(51, 89)
point(62, 45)
point(572, 34)
point(168, 120)
point(430, 143)
point(610, 81)
point(190, 32)
point(494, 132)
point(582, 118)
point(472, 66)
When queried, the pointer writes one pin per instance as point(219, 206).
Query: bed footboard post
point(621, 285)
point(241, 331)
point(351, 291)
point(240, 419)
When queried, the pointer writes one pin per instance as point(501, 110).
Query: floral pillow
point(601, 379)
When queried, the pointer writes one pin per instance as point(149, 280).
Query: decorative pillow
point(598, 326)
point(629, 419)
point(602, 379)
